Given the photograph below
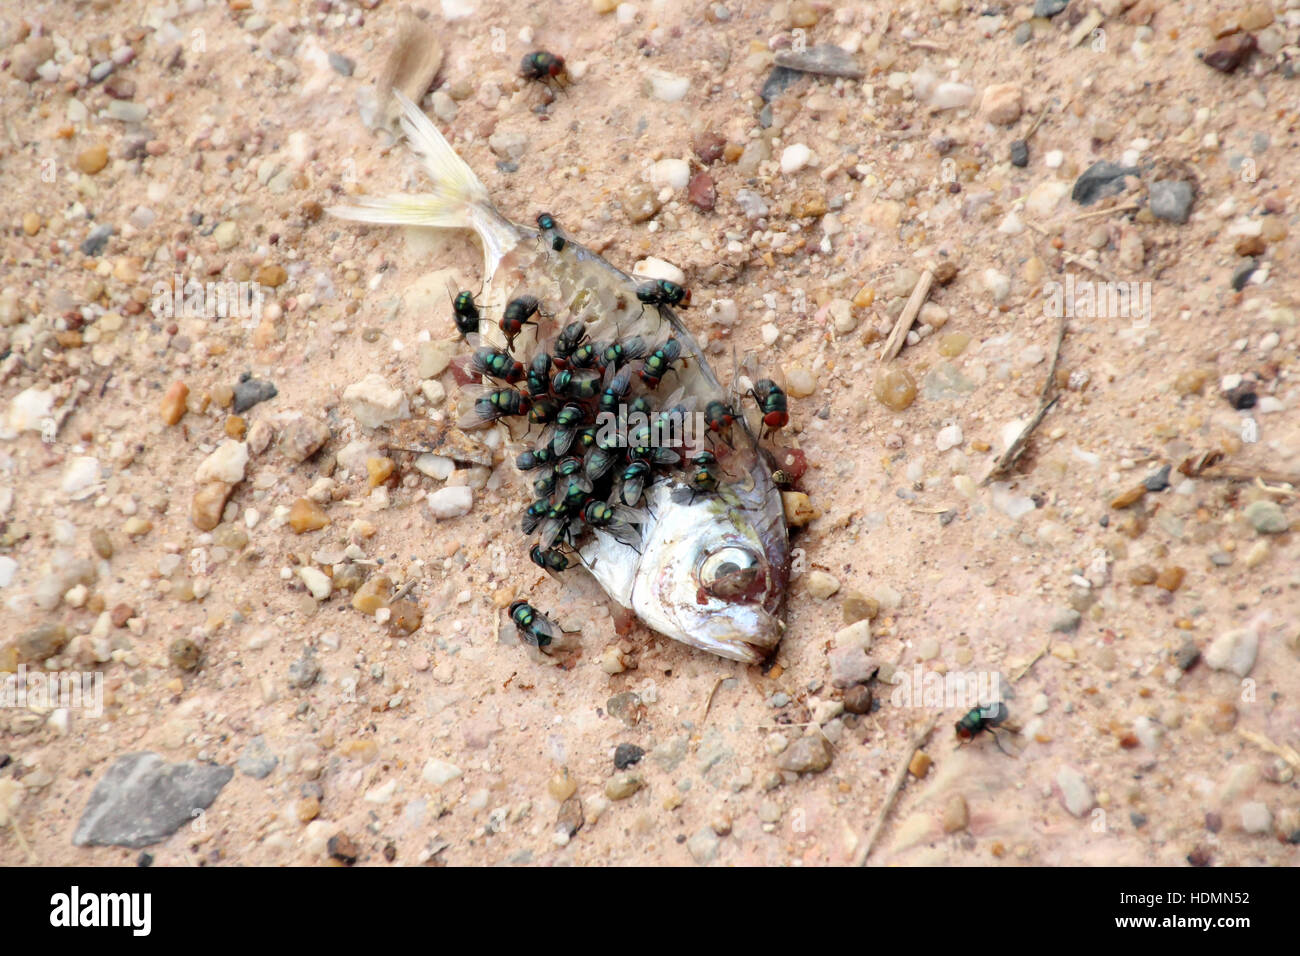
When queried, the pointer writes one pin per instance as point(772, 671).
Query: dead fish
point(707, 569)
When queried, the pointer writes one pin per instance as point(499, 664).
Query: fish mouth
point(745, 632)
point(751, 642)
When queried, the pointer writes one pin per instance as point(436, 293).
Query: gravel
point(1171, 200)
point(1233, 651)
point(810, 754)
point(257, 761)
point(1076, 795)
point(250, 392)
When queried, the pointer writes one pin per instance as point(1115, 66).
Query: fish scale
point(704, 562)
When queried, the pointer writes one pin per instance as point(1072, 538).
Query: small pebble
point(625, 755)
point(821, 585)
point(810, 754)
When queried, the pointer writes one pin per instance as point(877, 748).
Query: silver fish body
point(710, 569)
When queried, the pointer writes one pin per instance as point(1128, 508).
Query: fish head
point(713, 571)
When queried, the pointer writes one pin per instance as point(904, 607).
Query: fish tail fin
point(459, 200)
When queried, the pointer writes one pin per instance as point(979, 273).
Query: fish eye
point(729, 572)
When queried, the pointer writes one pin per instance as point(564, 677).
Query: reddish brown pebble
point(1229, 53)
point(857, 700)
point(709, 147)
point(702, 193)
point(121, 614)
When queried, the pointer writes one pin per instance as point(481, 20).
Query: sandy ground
point(454, 744)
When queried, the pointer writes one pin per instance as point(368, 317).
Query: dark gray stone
point(1019, 153)
point(625, 755)
point(1241, 275)
point(97, 240)
point(141, 801)
point(252, 391)
point(778, 81)
point(1049, 8)
point(1100, 180)
point(1157, 481)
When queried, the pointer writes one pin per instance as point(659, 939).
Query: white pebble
point(438, 772)
point(949, 437)
point(794, 158)
point(457, 10)
point(29, 409)
point(655, 268)
point(1255, 818)
point(1054, 159)
point(722, 312)
point(1233, 651)
point(674, 173)
point(998, 284)
point(226, 464)
point(1011, 225)
point(668, 87)
point(374, 403)
point(435, 466)
point(948, 96)
point(451, 502)
point(317, 581)
point(1075, 792)
point(79, 476)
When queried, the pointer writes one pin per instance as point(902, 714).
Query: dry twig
point(894, 344)
point(1287, 753)
point(900, 777)
point(1106, 212)
point(708, 704)
point(1004, 464)
point(1037, 657)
